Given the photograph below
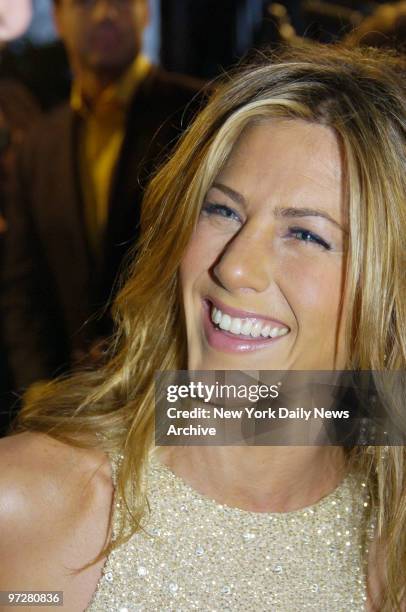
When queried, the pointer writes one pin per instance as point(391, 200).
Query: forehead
point(290, 162)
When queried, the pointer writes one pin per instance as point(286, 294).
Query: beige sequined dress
point(196, 554)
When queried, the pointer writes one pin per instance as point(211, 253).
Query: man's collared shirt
point(100, 140)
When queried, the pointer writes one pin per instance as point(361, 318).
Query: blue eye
point(306, 236)
point(220, 210)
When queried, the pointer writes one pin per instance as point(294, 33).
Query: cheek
point(129, 30)
point(189, 268)
point(314, 293)
point(201, 254)
point(139, 17)
point(78, 38)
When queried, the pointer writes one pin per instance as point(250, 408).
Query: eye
point(304, 235)
point(220, 210)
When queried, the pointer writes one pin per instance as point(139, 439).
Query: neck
point(92, 85)
point(259, 479)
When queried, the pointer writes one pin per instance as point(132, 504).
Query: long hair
point(361, 95)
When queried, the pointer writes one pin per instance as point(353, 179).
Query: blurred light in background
point(152, 38)
point(14, 18)
point(41, 30)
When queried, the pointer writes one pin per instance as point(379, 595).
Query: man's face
point(103, 36)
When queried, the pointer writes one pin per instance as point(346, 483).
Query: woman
point(283, 210)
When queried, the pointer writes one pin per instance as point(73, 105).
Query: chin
point(108, 65)
point(222, 361)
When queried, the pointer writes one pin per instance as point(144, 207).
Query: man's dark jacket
point(51, 287)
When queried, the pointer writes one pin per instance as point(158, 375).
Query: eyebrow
point(293, 212)
point(234, 195)
point(290, 211)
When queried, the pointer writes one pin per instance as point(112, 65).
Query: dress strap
point(115, 459)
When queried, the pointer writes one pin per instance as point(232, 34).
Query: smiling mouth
point(246, 328)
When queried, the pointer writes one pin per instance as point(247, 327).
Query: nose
point(105, 8)
point(246, 263)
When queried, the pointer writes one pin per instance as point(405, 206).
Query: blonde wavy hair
point(361, 94)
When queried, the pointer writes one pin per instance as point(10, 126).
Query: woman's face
point(263, 275)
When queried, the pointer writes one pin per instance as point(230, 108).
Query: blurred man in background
point(76, 206)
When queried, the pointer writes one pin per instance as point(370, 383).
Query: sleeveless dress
point(196, 554)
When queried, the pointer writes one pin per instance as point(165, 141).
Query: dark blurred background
point(196, 37)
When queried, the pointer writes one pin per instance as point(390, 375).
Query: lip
point(105, 36)
point(226, 341)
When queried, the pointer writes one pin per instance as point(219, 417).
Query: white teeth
point(265, 331)
point(256, 329)
point(216, 316)
point(246, 327)
point(225, 322)
point(236, 325)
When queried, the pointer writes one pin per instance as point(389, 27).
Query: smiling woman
point(273, 239)
point(270, 234)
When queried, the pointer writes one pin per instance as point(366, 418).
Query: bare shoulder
point(37, 468)
point(55, 504)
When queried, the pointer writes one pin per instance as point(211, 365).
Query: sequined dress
point(196, 554)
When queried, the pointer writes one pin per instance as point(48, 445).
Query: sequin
point(210, 556)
